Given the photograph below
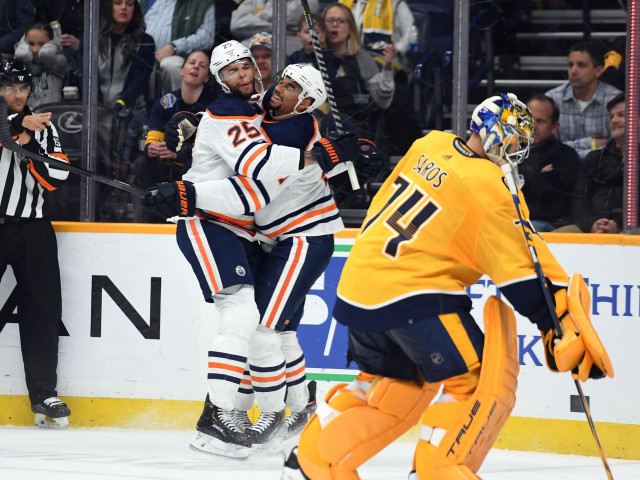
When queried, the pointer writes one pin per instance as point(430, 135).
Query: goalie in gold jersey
point(442, 219)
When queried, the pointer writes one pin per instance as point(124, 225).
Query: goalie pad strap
point(477, 422)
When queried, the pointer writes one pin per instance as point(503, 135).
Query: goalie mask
point(504, 123)
point(227, 53)
point(310, 81)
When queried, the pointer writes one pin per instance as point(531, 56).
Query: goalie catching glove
point(579, 348)
point(179, 129)
point(175, 199)
point(335, 150)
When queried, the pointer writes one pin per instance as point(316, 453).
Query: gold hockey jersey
point(442, 219)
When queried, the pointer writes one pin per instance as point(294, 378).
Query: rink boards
point(136, 331)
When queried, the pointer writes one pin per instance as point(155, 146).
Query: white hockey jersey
point(298, 204)
point(230, 142)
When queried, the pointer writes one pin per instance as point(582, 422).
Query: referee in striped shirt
point(28, 242)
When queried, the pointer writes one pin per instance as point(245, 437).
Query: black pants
point(30, 248)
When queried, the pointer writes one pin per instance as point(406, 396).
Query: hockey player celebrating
point(230, 142)
point(300, 214)
point(443, 218)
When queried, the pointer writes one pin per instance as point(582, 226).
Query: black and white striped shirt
point(24, 182)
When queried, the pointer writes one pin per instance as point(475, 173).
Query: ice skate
point(268, 433)
point(218, 434)
point(51, 413)
point(242, 420)
point(292, 470)
point(297, 420)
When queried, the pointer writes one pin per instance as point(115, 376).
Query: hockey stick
point(9, 143)
point(507, 169)
point(322, 66)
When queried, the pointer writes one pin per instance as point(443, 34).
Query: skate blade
point(43, 421)
point(208, 444)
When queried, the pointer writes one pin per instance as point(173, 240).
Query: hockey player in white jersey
point(230, 142)
point(300, 213)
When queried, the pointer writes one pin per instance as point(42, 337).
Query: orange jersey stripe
point(239, 223)
point(298, 221)
point(231, 118)
point(194, 231)
point(61, 156)
point(296, 372)
point(251, 159)
point(251, 191)
point(285, 285)
point(267, 379)
point(224, 366)
point(40, 179)
point(315, 134)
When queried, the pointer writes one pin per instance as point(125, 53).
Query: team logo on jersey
point(240, 271)
point(437, 358)
point(447, 157)
point(461, 147)
point(168, 101)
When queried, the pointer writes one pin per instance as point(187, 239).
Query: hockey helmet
point(227, 53)
point(502, 121)
point(310, 80)
point(14, 71)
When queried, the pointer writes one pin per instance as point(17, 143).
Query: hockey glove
point(175, 199)
point(179, 129)
point(335, 150)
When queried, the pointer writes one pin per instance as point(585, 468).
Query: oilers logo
point(240, 271)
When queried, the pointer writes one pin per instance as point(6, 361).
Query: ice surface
point(30, 453)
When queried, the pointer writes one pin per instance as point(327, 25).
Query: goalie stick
point(9, 143)
point(306, 12)
point(507, 169)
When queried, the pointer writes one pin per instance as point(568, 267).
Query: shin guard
point(456, 436)
point(355, 425)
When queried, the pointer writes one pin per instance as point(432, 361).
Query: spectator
point(550, 171)
point(598, 203)
point(41, 52)
point(224, 9)
point(306, 54)
point(159, 164)
point(125, 55)
point(384, 25)
point(16, 15)
point(584, 124)
point(260, 46)
point(253, 16)
point(69, 14)
point(358, 83)
point(178, 28)
point(28, 242)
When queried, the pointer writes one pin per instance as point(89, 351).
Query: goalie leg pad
point(456, 436)
point(353, 425)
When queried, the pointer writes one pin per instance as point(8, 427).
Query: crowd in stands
point(153, 58)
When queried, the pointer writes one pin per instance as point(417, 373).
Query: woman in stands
point(360, 85)
point(40, 50)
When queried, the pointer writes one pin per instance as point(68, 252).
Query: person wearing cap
point(260, 45)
